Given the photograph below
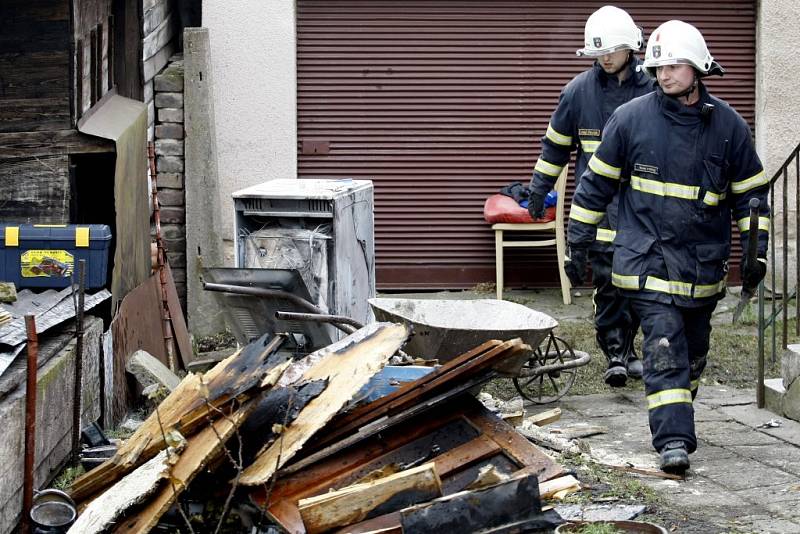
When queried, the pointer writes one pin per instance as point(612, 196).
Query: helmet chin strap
point(690, 90)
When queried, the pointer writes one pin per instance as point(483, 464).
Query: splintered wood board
point(252, 368)
point(457, 370)
point(128, 492)
point(201, 449)
point(362, 501)
point(495, 438)
point(347, 365)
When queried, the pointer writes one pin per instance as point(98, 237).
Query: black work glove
point(536, 206)
point(575, 265)
point(752, 277)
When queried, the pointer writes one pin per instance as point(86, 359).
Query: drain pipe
point(30, 422)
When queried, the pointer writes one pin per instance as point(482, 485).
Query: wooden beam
point(93, 96)
point(546, 417)
point(201, 450)
point(51, 143)
point(347, 365)
point(370, 499)
point(523, 452)
point(196, 399)
point(78, 81)
point(159, 38)
point(132, 490)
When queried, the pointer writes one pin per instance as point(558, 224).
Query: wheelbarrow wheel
point(544, 388)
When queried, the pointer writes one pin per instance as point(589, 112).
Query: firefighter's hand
point(575, 265)
point(752, 277)
point(536, 206)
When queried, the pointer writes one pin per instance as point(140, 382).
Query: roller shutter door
point(443, 102)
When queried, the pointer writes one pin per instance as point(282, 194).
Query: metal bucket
point(53, 512)
point(444, 329)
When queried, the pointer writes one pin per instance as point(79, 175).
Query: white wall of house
point(777, 79)
point(778, 107)
point(255, 105)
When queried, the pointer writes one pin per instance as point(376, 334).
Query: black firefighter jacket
point(680, 175)
point(584, 107)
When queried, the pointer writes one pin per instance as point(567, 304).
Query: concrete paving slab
point(773, 498)
point(727, 433)
point(740, 473)
point(701, 494)
point(783, 456)
point(764, 524)
point(706, 451)
point(714, 397)
point(600, 405)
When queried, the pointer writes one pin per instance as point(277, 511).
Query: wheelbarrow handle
point(262, 292)
point(345, 324)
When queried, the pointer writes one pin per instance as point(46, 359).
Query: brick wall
point(168, 103)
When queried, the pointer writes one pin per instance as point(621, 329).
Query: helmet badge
point(657, 51)
point(598, 42)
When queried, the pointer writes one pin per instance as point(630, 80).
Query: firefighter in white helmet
point(611, 38)
point(682, 164)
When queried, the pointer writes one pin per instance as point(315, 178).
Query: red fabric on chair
point(502, 209)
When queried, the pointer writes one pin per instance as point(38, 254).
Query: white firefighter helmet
point(676, 42)
point(610, 29)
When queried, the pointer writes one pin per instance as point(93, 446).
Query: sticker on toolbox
point(52, 263)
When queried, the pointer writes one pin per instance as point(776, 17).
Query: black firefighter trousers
point(614, 320)
point(675, 349)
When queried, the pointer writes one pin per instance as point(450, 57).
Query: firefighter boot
point(674, 458)
point(634, 367)
point(616, 375)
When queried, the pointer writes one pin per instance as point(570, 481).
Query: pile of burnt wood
point(269, 441)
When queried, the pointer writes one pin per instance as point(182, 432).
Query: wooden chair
point(559, 240)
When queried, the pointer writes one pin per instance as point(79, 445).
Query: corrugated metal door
point(443, 102)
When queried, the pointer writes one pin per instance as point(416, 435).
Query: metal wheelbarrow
point(444, 329)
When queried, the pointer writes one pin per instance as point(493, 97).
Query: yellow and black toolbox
point(46, 255)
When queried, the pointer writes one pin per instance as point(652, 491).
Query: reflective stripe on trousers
point(675, 348)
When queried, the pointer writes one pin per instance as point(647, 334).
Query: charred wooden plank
point(524, 453)
point(201, 449)
point(347, 365)
point(499, 439)
point(460, 368)
point(469, 511)
point(370, 499)
point(197, 399)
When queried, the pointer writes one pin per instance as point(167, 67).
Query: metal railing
point(780, 212)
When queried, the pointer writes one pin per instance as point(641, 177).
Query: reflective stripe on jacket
point(680, 175)
point(584, 107)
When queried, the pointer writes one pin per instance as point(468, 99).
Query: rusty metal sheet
point(137, 325)
point(443, 102)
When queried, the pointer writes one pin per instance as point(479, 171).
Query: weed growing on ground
point(67, 476)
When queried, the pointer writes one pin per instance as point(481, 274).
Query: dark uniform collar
point(634, 77)
point(679, 111)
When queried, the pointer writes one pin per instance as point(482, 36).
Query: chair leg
point(498, 262)
point(561, 253)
